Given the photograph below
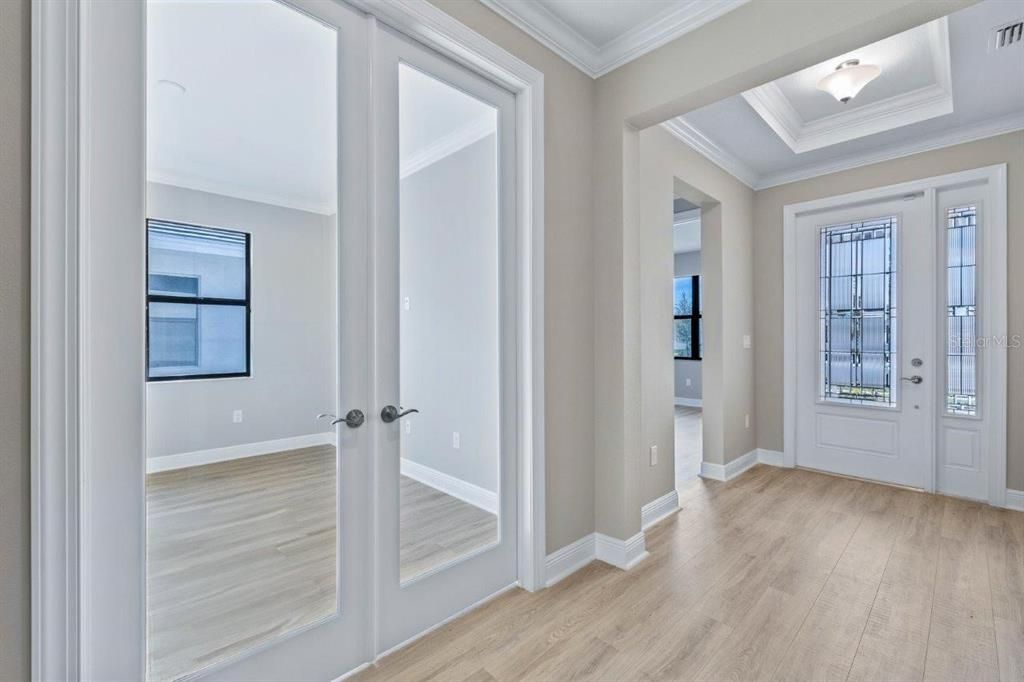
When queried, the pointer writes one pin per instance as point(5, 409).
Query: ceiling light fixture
point(848, 79)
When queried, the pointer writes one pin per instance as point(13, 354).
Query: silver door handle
point(916, 379)
point(353, 420)
point(390, 413)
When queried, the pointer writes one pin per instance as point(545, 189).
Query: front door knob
point(916, 379)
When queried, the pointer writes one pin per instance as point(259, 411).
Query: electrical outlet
point(456, 440)
point(746, 341)
point(654, 455)
point(408, 426)
point(747, 421)
point(689, 382)
point(236, 416)
point(405, 302)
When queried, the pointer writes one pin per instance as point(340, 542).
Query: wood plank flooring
point(242, 551)
point(780, 574)
point(689, 449)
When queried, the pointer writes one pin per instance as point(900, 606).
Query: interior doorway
point(687, 340)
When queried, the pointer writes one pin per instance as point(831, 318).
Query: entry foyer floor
point(780, 574)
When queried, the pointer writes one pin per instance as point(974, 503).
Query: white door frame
point(58, 303)
point(994, 322)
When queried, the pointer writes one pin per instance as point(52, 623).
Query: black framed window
point(197, 303)
point(687, 342)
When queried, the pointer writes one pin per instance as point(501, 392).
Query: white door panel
point(863, 323)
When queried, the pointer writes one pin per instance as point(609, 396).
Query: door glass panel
point(961, 310)
point(242, 476)
point(857, 312)
point(449, 323)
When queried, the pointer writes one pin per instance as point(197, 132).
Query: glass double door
point(329, 389)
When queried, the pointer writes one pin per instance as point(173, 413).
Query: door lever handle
point(353, 420)
point(916, 379)
point(390, 413)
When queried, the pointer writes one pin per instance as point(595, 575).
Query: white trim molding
point(445, 146)
point(596, 60)
point(624, 554)
point(690, 135)
point(921, 104)
point(729, 471)
point(450, 485)
point(687, 133)
point(564, 562)
point(773, 458)
point(659, 509)
point(227, 453)
point(1014, 500)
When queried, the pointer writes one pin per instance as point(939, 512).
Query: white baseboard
point(213, 455)
point(659, 509)
point(624, 554)
point(1015, 499)
point(449, 485)
point(563, 562)
point(770, 457)
point(689, 402)
point(727, 472)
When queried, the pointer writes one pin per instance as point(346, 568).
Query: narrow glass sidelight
point(857, 312)
point(961, 311)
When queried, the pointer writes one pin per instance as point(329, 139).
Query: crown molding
point(772, 105)
point(693, 137)
point(703, 145)
point(980, 131)
point(474, 131)
point(237, 191)
point(595, 61)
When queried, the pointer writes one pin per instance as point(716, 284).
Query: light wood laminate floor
point(688, 443)
point(780, 574)
point(242, 551)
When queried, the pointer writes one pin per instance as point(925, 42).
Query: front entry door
point(866, 341)
point(446, 359)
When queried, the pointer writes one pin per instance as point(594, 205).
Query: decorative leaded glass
point(961, 356)
point(857, 311)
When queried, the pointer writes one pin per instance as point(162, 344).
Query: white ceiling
point(257, 117)
point(900, 113)
point(598, 36)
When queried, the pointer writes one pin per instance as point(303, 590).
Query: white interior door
point(866, 337)
point(445, 315)
point(225, 526)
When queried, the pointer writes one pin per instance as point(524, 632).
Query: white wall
point(449, 347)
point(687, 264)
point(293, 331)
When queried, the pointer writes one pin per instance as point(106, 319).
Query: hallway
point(688, 443)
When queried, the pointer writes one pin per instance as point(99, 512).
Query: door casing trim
point(994, 369)
point(56, 307)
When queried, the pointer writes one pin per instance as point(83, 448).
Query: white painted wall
point(293, 331)
point(687, 264)
point(449, 348)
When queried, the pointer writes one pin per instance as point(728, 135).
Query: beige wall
point(768, 205)
point(14, 339)
point(668, 167)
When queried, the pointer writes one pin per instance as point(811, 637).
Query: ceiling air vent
point(1008, 34)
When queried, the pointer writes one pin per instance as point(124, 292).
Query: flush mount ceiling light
point(848, 79)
